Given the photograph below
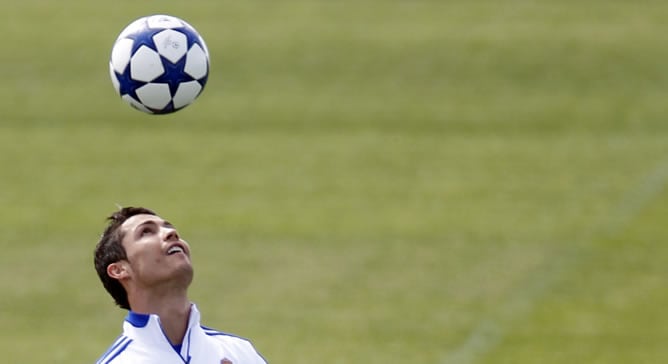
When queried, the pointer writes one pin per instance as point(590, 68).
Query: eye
point(146, 230)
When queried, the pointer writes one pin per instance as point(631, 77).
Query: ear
point(118, 270)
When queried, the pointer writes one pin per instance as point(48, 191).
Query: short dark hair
point(110, 250)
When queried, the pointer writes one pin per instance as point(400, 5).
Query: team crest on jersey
point(226, 361)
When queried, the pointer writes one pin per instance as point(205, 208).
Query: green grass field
point(434, 182)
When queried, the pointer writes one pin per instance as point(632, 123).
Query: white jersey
point(144, 342)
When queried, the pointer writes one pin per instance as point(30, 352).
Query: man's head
point(140, 251)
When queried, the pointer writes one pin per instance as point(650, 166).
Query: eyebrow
point(153, 222)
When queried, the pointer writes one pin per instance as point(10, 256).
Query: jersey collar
point(140, 320)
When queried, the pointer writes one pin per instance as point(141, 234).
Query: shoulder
point(115, 350)
point(226, 338)
point(238, 345)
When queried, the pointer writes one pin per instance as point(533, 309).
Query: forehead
point(136, 220)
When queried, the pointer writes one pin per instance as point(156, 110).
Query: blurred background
point(360, 181)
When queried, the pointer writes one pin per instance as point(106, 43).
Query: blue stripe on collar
point(137, 319)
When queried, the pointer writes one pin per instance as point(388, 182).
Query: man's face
point(155, 252)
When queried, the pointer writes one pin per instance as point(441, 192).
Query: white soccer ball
point(159, 64)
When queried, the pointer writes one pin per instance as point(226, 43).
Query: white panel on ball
point(114, 80)
point(171, 44)
point(120, 55)
point(196, 63)
point(164, 21)
point(133, 27)
point(154, 95)
point(186, 93)
point(136, 104)
point(146, 65)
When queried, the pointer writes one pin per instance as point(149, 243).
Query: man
point(145, 266)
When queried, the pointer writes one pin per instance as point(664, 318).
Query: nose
point(171, 234)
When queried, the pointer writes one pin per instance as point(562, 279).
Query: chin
point(186, 274)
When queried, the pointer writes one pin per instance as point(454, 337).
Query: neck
point(173, 310)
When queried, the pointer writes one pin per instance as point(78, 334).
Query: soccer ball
point(159, 64)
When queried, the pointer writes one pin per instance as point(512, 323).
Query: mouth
point(176, 249)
